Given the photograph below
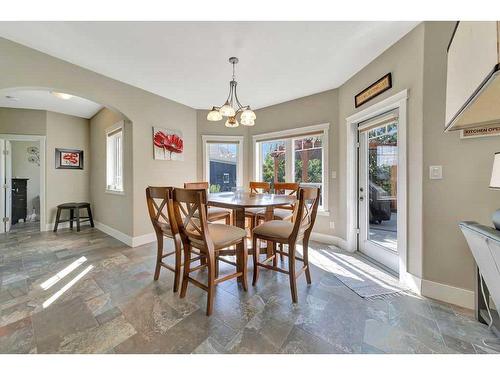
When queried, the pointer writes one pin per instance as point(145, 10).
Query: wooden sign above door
point(375, 89)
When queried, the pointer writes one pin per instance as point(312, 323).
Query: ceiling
point(187, 61)
point(42, 99)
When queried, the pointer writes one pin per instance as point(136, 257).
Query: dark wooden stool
point(74, 214)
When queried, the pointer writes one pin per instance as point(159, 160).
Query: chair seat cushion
point(254, 211)
point(225, 235)
point(279, 214)
point(279, 229)
point(221, 234)
point(217, 212)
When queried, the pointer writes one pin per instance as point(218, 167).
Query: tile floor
point(86, 292)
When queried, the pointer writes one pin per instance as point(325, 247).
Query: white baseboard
point(125, 238)
point(448, 293)
point(143, 239)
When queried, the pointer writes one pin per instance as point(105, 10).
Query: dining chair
point(288, 233)
point(281, 212)
point(211, 239)
point(256, 187)
point(160, 208)
point(214, 213)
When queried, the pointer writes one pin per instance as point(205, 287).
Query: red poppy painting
point(69, 159)
point(168, 144)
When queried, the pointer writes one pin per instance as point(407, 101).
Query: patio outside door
point(378, 189)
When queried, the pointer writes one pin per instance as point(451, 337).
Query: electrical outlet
point(332, 225)
point(435, 172)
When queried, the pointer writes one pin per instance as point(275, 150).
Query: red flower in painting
point(168, 142)
point(174, 143)
point(159, 139)
point(71, 157)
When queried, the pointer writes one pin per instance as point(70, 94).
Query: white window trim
point(111, 129)
point(223, 138)
point(290, 134)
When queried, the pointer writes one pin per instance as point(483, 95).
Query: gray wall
point(311, 110)
point(107, 206)
point(24, 67)
point(61, 131)
point(463, 192)
point(405, 61)
point(66, 185)
point(22, 121)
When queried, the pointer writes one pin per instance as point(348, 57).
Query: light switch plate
point(435, 172)
point(334, 175)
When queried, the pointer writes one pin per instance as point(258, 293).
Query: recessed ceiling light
point(10, 97)
point(61, 95)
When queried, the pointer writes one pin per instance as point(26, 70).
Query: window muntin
point(114, 160)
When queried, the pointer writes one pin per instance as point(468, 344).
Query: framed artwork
point(375, 89)
point(69, 159)
point(167, 144)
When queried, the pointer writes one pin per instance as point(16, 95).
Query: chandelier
point(232, 107)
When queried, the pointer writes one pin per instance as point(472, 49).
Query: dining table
point(239, 201)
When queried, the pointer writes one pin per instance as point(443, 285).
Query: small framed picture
point(69, 159)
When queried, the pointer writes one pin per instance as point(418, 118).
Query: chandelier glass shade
point(232, 107)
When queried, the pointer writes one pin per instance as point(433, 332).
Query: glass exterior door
point(378, 192)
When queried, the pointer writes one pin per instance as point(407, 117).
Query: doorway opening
point(377, 183)
point(22, 177)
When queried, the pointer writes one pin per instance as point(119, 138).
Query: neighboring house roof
point(224, 153)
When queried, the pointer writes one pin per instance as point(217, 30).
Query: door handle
point(361, 199)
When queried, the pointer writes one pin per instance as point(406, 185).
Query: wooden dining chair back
point(196, 185)
point(290, 188)
point(305, 211)
point(255, 186)
point(191, 215)
point(214, 213)
point(288, 233)
point(190, 207)
point(160, 208)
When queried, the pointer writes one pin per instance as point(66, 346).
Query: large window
point(114, 159)
point(273, 161)
point(308, 161)
point(222, 162)
point(298, 155)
